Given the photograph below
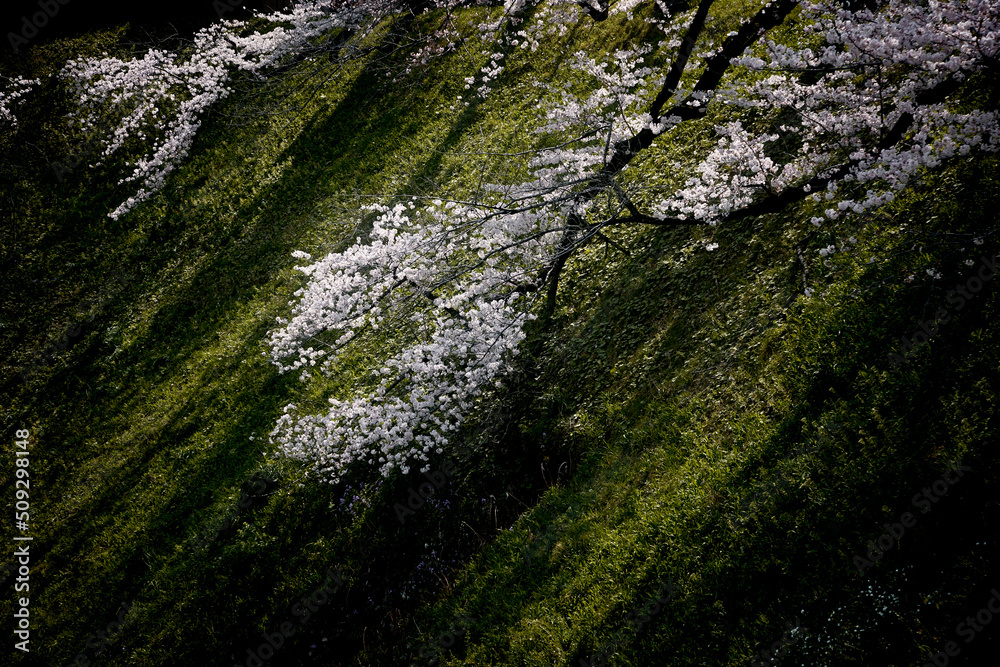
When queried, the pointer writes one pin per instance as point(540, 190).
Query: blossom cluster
point(868, 105)
point(10, 97)
point(446, 271)
point(550, 20)
point(731, 177)
point(162, 96)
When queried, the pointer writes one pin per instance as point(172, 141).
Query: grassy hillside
point(688, 416)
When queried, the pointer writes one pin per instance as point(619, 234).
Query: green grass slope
point(688, 417)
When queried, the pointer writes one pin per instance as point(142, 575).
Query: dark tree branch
point(614, 244)
point(683, 56)
point(623, 151)
point(770, 16)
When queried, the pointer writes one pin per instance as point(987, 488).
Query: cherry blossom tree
point(850, 105)
point(866, 100)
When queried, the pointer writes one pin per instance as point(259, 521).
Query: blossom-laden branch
point(870, 108)
point(163, 96)
point(867, 96)
point(15, 88)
